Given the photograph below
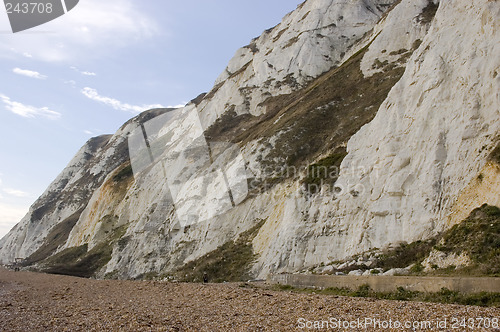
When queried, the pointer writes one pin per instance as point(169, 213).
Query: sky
point(89, 71)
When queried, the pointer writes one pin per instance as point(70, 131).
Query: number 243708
point(29, 8)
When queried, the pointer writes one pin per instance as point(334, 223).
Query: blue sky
point(87, 72)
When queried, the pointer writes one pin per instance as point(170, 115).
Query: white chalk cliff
point(409, 89)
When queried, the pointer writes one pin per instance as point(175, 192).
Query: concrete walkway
point(468, 285)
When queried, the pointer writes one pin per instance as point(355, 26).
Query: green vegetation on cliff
point(229, 262)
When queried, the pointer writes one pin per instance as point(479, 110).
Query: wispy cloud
point(28, 111)
point(15, 192)
point(29, 73)
point(71, 82)
point(85, 73)
point(12, 192)
point(177, 106)
point(88, 132)
point(116, 104)
point(92, 29)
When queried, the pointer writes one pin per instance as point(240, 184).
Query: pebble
point(111, 305)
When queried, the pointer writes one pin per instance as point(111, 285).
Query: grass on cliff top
point(445, 295)
point(478, 236)
point(229, 262)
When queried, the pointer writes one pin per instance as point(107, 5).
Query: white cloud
point(29, 73)
point(114, 103)
point(85, 73)
point(28, 111)
point(27, 55)
point(88, 132)
point(93, 28)
point(15, 192)
point(71, 82)
point(177, 106)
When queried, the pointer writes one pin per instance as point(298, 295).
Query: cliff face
point(350, 125)
point(51, 218)
point(65, 197)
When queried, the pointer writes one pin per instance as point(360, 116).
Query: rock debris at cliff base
point(39, 302)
